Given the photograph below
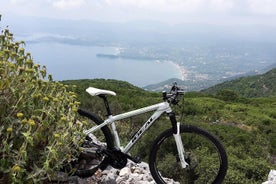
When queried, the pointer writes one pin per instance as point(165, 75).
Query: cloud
point(265, 7)
point(172, 11)
point(184, 6)
point(68, 4)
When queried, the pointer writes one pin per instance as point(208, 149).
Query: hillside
point(247, 128)
point(127, 95)
point(197, 85)
point(263, 85)
point(187, 85)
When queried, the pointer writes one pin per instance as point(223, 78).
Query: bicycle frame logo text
point(142, 130)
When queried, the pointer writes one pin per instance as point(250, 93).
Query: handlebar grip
point(180, 92)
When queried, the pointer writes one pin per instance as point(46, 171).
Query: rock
point(271, 177)
point(125, 171)
point(131, 174)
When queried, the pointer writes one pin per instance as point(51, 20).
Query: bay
point(69, 62)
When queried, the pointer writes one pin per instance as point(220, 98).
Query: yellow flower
point(31, 122)
point(46, 99)
point(56, 135)
point(55, 99)
point(19, 115)
point(29, 61)
point(11, 65)
point(24, 121)
point(21, 69)
point(16, 168)
point(63, 119)
point(29, 70)
point(36, 66)
point(21, 50)
point(9, 129)
point(43, 72)
point(77, 103)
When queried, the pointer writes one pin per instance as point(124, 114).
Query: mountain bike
point(185, 153)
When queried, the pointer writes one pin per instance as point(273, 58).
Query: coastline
point(183, 72)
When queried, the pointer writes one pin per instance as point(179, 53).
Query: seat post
point(106, 104)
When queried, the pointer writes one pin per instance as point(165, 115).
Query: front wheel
point(203, 152)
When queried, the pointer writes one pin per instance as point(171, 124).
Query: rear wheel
point(92, 158)
point(203, 152)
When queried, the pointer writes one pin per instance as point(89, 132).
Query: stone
point(125, 171)
point(271, 178)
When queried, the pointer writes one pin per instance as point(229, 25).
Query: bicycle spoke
point(201, 153)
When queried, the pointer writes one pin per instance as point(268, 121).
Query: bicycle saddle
point(95, 91)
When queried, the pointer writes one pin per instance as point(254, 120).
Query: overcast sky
point(170, 11)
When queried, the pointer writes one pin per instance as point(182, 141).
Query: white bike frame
point(159, 109)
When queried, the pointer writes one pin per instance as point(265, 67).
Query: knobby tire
point(163, 154)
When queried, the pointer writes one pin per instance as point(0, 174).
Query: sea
point(70, 62)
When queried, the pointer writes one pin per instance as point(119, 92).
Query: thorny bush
point(38, 129)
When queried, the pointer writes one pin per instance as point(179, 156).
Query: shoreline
point(183, 72)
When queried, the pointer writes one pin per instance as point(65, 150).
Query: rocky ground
point(131, 174)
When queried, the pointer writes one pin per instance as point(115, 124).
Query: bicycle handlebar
point(172, 97)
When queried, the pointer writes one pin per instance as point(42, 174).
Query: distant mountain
point(186, 85)
point(162, 86)
point(263, 85)
point(198, 85)
point(266, 69)
point(88, 32)
point(252, 73)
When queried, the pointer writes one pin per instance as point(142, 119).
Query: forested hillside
point(246, 126)
point(253, 86)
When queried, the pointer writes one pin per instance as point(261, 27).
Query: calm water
point(80, 62)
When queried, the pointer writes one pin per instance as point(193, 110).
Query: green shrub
point(37, 117)
point(227, 95)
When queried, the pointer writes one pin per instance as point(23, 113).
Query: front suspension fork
point(178, 140)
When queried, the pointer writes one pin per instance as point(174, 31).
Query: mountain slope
point(187, 85)
point(263, 85)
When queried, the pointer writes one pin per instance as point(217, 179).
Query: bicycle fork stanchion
point(180, 147)
point(178, 140)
